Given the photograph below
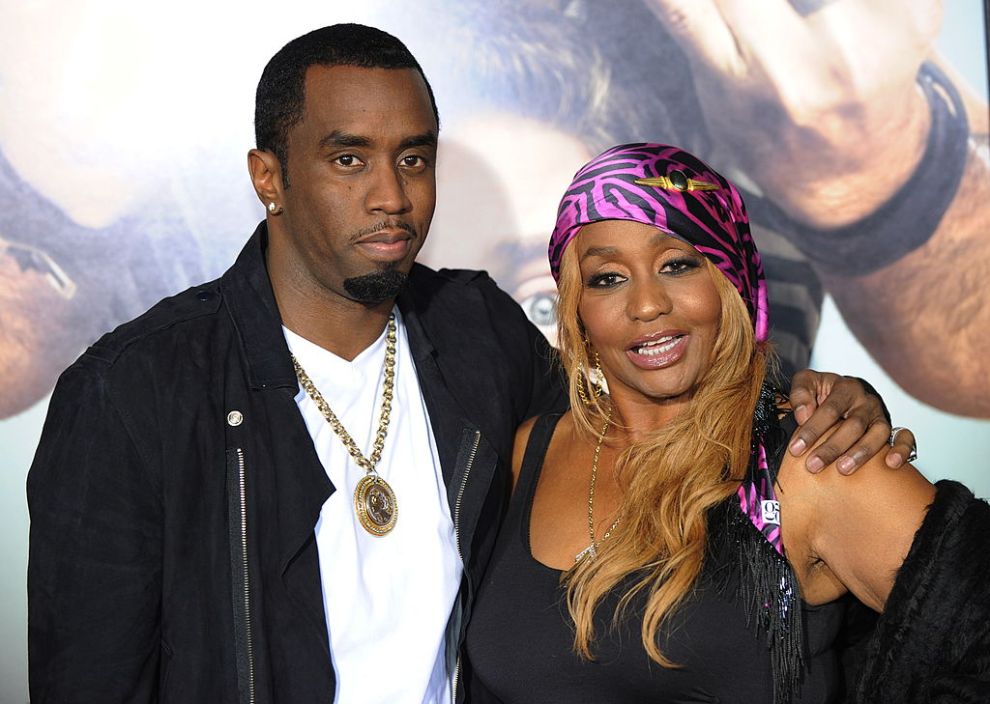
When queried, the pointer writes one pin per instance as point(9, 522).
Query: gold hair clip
point(677, 181)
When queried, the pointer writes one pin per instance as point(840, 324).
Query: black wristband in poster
point(910, 217)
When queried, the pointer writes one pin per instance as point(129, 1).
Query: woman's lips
point(659, 352)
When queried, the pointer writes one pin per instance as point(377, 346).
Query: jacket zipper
point(457, 674)
point(460, 491)
point(247, 581)
point(457, 537)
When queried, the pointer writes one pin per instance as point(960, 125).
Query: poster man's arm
point(925, 318)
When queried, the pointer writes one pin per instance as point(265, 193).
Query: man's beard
point(376, 287)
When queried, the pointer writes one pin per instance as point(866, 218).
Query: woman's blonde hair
point(672, 478)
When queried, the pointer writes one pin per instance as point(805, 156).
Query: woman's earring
point(593, 378)
point(582, 380)
point(274, 208)
point(596, 377)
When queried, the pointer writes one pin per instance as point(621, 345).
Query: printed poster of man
point(858, 128)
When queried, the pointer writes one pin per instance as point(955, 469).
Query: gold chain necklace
point(374, 500)
point(592, 550)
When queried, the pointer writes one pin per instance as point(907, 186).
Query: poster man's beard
point(376, 287)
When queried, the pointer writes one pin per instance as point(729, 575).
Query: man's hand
point(821, 110)
point(821, 400)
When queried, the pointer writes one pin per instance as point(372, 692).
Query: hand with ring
point(902, 440)
point(821, 401)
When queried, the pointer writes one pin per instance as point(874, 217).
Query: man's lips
point(387, 245)
point(658, 350)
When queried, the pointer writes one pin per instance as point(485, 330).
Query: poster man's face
point(498, 204)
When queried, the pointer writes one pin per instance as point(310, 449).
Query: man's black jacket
point(172, 553)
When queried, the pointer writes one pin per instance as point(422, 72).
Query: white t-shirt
point(387, 599)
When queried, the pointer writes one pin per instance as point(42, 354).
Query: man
point(189, 542)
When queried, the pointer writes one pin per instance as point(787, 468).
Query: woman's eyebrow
point(599, 252)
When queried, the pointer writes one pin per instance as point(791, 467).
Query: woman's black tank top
point(519, 640)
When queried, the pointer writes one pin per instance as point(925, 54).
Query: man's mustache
point(386, 225)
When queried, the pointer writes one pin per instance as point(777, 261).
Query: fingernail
point(798, 446)
point(846, 465)
point(894, 461)
point(800, 413)
point(815, 464)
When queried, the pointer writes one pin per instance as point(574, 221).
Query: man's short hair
point(281, 94)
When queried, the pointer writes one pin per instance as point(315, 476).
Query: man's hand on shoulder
point(822, 400)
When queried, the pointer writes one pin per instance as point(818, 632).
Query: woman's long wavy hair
point(671, 479)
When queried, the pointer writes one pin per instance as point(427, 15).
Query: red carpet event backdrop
point(858, 129)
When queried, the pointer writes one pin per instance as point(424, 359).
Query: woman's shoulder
point(850, 532)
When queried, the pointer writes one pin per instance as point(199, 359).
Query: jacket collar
point(428, 315)
point(249, 297)
point(410, 304)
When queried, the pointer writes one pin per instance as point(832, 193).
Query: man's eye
point(346, 160)
point(413, 161)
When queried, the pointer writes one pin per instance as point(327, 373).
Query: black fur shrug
point(932, 643)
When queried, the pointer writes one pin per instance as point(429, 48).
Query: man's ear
point(266, 176)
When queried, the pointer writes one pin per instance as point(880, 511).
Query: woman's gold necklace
point(592, 550)
point(374, 501)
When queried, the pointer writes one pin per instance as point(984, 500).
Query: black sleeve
point(932, 643)
point(544, 379)
point(94, 572)
point(549, 381)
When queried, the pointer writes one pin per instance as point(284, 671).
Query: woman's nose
point(648, 301)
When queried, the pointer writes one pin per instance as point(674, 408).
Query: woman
point(643, 557)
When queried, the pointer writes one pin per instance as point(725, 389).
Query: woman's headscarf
point(677, 193)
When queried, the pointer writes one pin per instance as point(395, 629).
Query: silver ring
point(913, 455)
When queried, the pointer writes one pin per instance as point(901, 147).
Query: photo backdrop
point(124, 128)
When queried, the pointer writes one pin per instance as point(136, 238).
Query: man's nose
point(387, 193)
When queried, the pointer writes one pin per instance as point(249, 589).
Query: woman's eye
point(606, 280)
point(680, 265)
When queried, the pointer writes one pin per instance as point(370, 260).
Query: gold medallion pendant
point(374, 500)
point(376, 506)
